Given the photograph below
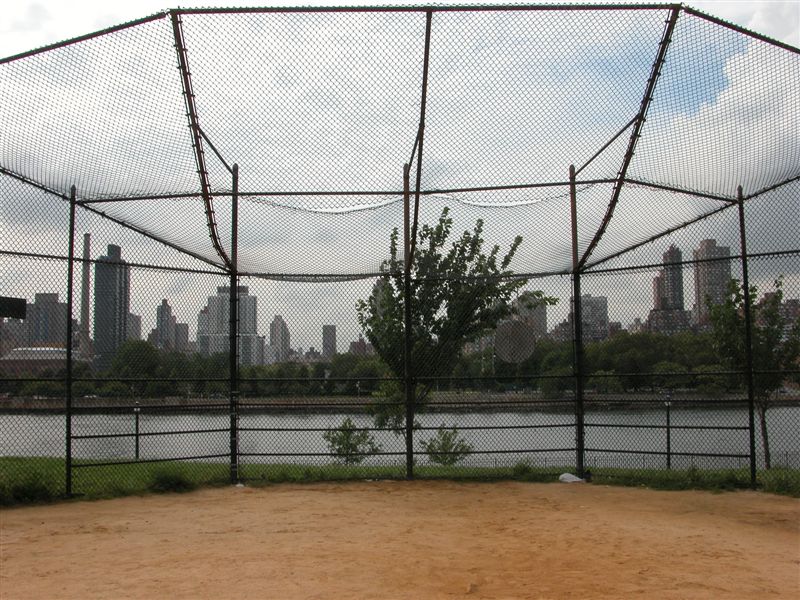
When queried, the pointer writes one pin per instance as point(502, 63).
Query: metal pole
point(577, 326)
point(70, 273)
point(136, 410)
point(407, 369)
point(668, 404)
point(748, 339)
point(234, 328)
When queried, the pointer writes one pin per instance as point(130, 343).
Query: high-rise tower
point(84, 332)
point(112, 282)
point(279, 338)
point(673, 278)
point(711, 278)
point(328, 341)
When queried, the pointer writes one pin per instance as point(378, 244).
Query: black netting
point(520, 343)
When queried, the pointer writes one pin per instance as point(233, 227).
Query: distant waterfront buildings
point(213, 326)
point(168, 333)
point(361, 347)
point(668, 315)
point(711, 279)
point(279, 338)
point(328, 341)
point(533, 313)
point(46, 322)
point(112, 289)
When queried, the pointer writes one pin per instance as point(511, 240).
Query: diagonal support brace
point(666, 39)
point(197, 136)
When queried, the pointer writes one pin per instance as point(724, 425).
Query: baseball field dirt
point(419, 539)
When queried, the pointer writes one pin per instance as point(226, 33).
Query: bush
point(349, 445)
point(30, 490)
point(170, 480)
point(446, 448)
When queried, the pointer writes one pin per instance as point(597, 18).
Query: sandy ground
point(407, 540)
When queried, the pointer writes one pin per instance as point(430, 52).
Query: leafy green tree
point(446, 448)
point(605, 382)
point(775, 344)
point(349, 444)
point(709, 380)
point(556, 381)
point(458, 293)
point(669, 375)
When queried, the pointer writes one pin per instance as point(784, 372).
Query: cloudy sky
point(29, 24)
point(704, 111)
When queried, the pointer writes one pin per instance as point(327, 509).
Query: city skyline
point(711, 265)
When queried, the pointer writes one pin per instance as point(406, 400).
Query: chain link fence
point(382, 243)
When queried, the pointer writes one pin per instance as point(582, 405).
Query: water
point(500, 439)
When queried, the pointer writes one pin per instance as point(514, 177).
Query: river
point(613, 438)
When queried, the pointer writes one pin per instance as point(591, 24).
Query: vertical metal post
point(70, 273)
point(668, 404)
point(407, 368)
point(234, 328)
point(577, 327)
point(748, 348)
point(136, 410)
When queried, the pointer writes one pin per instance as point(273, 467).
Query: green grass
point(36, 480)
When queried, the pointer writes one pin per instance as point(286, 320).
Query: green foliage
point(775, 343)
point(32, 487)
point(670, 375)
point(775, 340)
point(709, 381)
point(457, 293)
point(446, 447)
point(556, 382)
point(349, 444)
point(170, 479)
point(605, 382)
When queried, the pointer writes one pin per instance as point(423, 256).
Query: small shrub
point(30, 490)
point(350, 445)
point(446, 448)
point(170, 480)
point(521, 470)
point(781, 481)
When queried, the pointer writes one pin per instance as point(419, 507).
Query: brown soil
point(407, 540)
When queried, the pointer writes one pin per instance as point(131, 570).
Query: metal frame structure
point(228, 265)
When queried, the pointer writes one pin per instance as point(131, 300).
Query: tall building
point(85, 326)
point(12, 335)
point(182, 337)
point(279, 338)
point(112, 283)
point(533, 313)
point(659, 292)
point(213, 326)
point(594, 317)
point(46, 322)
point(668, 315)
point(328, 341)
point(134, 327)
point(164, 337)
point(673, 278)
point(711, 278)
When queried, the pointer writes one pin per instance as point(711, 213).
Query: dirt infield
point(407, 540)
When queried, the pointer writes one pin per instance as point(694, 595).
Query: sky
point(30, 24)
point(707, 115)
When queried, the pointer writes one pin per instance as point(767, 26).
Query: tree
point(457, 294)
point(775, 342)
point(349, 444)
point(446, 448)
